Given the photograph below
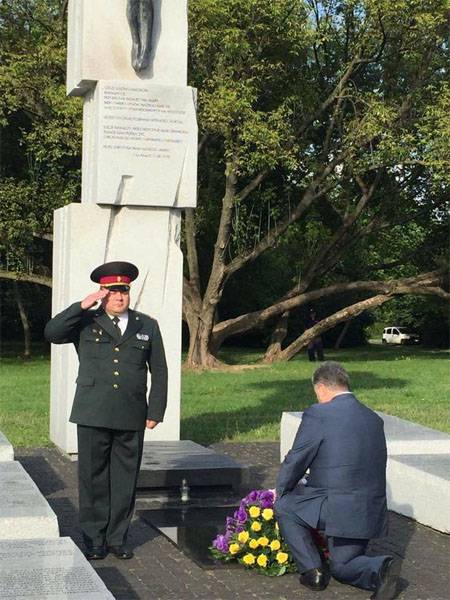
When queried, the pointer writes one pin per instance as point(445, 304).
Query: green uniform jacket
point(112, 377)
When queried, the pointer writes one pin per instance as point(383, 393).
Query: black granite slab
point(167, 464)
point(191, 530)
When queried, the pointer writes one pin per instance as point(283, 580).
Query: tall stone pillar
point(139, 170)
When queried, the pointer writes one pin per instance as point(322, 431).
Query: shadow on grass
point(276, 397)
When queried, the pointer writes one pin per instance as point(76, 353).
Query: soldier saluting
point(116, 347)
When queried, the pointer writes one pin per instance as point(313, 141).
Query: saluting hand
point(93, 298)
point(151, 424)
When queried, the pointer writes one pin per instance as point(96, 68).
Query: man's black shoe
point(387, 579)
point(121, 552)
point(96, 553)
point(315, 579)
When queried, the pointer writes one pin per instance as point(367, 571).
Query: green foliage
point(41, 151)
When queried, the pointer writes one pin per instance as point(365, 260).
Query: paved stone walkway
point(159, 571)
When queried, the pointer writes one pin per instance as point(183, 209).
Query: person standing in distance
point(343, 445)
point(116, 348)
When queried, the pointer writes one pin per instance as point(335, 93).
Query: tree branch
point(26, 277)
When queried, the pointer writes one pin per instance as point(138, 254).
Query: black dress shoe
point(315, 579)
point(387, 579)
point(121, 552)
point(96, 553)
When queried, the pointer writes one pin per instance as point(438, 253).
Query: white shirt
point(123, 320)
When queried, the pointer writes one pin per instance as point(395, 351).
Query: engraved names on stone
point(53, 569)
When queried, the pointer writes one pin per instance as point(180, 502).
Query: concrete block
point(405, 437)
point(99, 44)
point(40, 569)
point(140, 145)
point(24, 512)
point(6, 450)
point(418, 486)
point(85, 237)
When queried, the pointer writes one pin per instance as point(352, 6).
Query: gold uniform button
point(115, 386)
point(116, 360)
point(116, 373)
point(116, 349)
point(97, 339)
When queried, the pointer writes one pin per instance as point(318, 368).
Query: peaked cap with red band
point(115, 275)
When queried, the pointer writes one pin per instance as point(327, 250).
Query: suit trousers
point(108, 467)
point(348, 562)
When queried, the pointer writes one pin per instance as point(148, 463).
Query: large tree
point(329, 110)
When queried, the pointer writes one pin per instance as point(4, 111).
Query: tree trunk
point(278, 336)
point(24, 320)
point(342, 335)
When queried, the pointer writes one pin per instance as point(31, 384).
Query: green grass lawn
point(412, 383)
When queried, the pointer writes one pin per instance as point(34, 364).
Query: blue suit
point(343, 445)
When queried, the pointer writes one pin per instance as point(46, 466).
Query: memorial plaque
point(6, 450)
point(100, 42)
point(24, 512)
point(43, 568)
point(140, 145)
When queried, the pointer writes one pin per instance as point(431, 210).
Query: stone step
point(47, 569)
point(166, 464)
point(24, 512)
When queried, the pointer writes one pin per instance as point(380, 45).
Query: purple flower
point(239, 528)
point(266, 499)
point(221, 543)
point(230, 523)
point(251, 498)
point(241, 515)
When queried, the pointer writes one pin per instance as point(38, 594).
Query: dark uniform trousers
point(108, 469)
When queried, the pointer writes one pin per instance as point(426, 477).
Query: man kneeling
point(342, 443)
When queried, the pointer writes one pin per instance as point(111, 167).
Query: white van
point(399, 335)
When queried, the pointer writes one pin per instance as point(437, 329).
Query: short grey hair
point(331, 374)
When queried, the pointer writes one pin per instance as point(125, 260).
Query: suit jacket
point(112, 377)
point(342, 442)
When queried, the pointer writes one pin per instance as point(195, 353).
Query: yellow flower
point(267, 514)
point(253, 544)
point(275, 545)
point(256, 526)
point(281, 557)
point(276, 527)
point(243, 536)
point(254, 512)
point(234, 548)
point(263, 541)
point(262, 560)
point(249, 559)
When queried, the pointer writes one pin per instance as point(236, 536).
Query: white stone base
point(86, 236)
point(418, 486)
point(418, 469)
point(24, 512)
point(6, 450)
point(41, 569)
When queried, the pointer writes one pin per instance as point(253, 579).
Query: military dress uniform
point(110, 409)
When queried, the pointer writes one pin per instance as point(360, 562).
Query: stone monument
point(128, 60)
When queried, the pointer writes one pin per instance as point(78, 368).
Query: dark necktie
point(116, 320)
